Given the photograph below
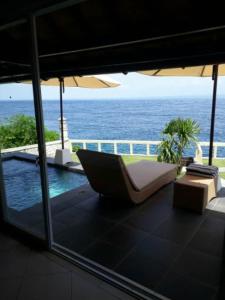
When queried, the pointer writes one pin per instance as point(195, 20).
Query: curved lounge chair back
point(105, 172)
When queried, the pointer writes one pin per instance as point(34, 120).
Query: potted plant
point(178, 135)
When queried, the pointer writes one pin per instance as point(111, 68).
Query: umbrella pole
point(61, 110)
point(214, 78)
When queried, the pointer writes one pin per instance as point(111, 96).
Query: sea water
point(125, 119)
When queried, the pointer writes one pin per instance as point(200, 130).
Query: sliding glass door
point(21, 140)
point(22, 197)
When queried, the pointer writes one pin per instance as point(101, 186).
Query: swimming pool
point(23, 187)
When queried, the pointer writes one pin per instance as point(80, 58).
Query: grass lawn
point(216, 162)
point(129, 159)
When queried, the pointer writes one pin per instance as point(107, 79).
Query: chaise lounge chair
point(109, 176)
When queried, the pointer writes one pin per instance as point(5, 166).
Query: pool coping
point(75, 167)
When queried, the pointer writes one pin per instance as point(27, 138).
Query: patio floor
point(174, 252)
point(31, 274)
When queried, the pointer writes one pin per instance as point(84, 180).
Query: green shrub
point(178, 135)
point(75, 148)
point(51, 135)
point(20, 130)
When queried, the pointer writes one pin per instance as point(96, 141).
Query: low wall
point(147, 147)
point(51, 147)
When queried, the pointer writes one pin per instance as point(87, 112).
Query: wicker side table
point(194, 192)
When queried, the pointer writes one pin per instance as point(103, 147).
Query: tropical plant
point(177, 136)
point(20, 130)
point(75, 148)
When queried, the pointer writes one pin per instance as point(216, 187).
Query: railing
point(116, 143)
point(52, 146)
point(148, 145)
point(216, 145)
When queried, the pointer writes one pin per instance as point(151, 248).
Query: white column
point(99, 147)
point(115, 148)
point(131, 149)
point(198, 153)
point(214, 151)
point(65, 128)
point(67, 143)
point(148, 149)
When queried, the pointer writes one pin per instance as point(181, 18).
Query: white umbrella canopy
point(91, 82)
point(199, 71)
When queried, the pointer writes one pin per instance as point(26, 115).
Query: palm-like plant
point(178, 134)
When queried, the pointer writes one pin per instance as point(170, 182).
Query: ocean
point(124, 119)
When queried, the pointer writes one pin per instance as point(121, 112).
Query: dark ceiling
point(99, 36)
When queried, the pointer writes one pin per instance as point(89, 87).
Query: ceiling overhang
point(78, 37)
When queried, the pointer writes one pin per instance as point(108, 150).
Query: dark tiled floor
point(175, 252)
point(28, 274)
point(112, 253)
point(177, 286)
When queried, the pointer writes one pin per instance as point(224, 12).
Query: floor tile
point(112, 209)
point(179, 227)
point(141, 269)
point(84, 233)
point(85, 290)
point(30, 216)
point(14, 262)
point(39, 229)
point(146, 222)
point(106, 254)
point(7, 243)
point(208, 243)
point(156, 249)
point(217, 214)
point(9, 289)
point(109, 289)
point(55, 287)
point(171, 250)
point(70, 216)
point(178, 287)
point(210, 237)
point(92, 225)
point(74, 240)
point(156, 207)
point(202, 267)
point(58, 227)
point(125, 237)
point(163, 197)
point(39, 264)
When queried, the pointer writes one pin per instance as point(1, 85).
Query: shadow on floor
point(174, 252)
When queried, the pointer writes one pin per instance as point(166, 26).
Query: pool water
point(23, 187)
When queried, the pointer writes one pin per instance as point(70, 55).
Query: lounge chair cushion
point(109, 176)
point(144, 173)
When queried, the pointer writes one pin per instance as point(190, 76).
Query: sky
point(132, 86)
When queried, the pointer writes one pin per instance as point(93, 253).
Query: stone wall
point(33, 149)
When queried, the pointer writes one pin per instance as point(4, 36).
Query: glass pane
point(219, 141)
point(19, 155)
point(105, 229)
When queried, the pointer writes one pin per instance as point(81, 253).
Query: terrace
point(151, 250)
point(153, 244)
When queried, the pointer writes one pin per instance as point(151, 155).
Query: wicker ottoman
point(194, 192)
